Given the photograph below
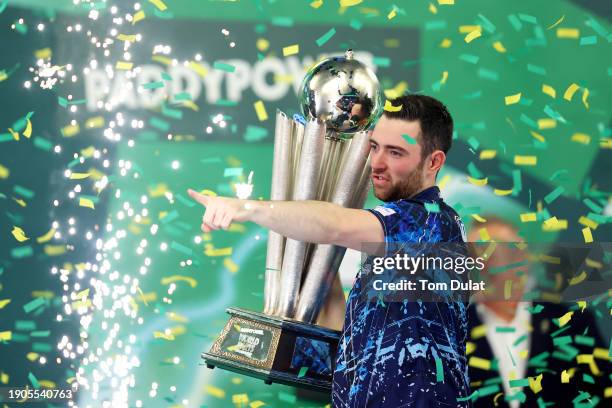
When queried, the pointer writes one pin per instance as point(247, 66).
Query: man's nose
point(377, 161)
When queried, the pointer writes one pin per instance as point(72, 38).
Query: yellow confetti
point(230, 265)
point(140, 15)
point(500, 192)
point(484, 234)
point(214, 391)
point(565, 318)
point(211, 251)
point(549, 90)
point(446, 2)
point(397, 91)
point(466, 29)
point(577, 279)
point(554, 224)
point(19, 234)
point(488, 154)
point(198, 68)
point(159, 4)
point(4, 302)
point(588, 236)
point(446, 43)
point(44, 53)
point(127, 37)
point(162, 335)
point(391, 14)
point(78, 176)
point(86, 202)
point(547, 123)
point(525, 160)
point(433, 9)
point(70, 130)
point(291, 50)
point(349, 3)
point(478, 218)
point(316, 4)
point(158, 190)
point(512, 99)
point(535, 383)
point(600, 353)
point(559, 21)
point(260, 109)
point(390, 108)
point(585, 95)
point(15, 134)
point(472, 36)
point(570, 91)
point(124, 65)
point(499, 47)
point(478, 332)
point(537, 136)
point(32, 356)
point(95, 122)
point(262, 44)
point(478, 182)
point(257, 404)
point(6, 335)
point(4, 172)
point(528, 217)
point(478, 362)
point(587, 222)
point(444, 181)
point(444, 77)
point(568, 33)
point(4, 378)
point(46, 237)
point(608, 392)
point(470, 347)
point(54, 250)
point(20, 202)
point(590, 360)
point(28, 130)
point(169, 279)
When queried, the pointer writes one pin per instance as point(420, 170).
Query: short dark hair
point(433, 116)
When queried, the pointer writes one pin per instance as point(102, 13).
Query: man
point(526, 348)
point(395, 354)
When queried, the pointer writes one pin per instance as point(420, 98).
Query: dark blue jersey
point(411, 353)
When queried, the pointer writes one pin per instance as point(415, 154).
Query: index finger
point(200, 198)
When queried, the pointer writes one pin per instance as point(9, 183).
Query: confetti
point(260, 110)
point(525, 160)
point(512, 99)
point(325, 37)
point(570, 91)
point(350, 3)
point(19, 234)
point(291, 50)
point(472, 36)
point(390, 108)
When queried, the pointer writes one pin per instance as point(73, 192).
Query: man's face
point(397, 166)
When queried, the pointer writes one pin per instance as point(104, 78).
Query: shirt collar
point(429, 194)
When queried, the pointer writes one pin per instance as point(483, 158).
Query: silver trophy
point(325, 158)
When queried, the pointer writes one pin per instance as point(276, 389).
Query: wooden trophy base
point(276, 350)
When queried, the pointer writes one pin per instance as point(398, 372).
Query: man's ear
point(436, 160)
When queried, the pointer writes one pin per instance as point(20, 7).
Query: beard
point(407, 187)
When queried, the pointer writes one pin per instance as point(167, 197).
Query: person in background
point(513, 340)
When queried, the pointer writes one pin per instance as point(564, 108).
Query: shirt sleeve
point(398, 221)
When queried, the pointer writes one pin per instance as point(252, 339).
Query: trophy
point(323, 157)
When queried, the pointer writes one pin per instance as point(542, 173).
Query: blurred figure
point(513, 339)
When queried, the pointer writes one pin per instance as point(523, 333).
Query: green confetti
point(382, 62)
point(302, 372)
point(24, 192)
point(488, 74)
point(536, 69)
point(439, 370)
point(160, 124)
point(501, 329)
point(25, 325)
point(22, 252)
point(553, 195)
point(182, 96)
point(325, 37)
point(528, 19)
point(171, 113)
point(33, 380)
point(43, 143)
point(154, 85)
point(226, 102)
point(171, 216)
point(356, 24)
point(472, 59)
point(233, 172)
point(515, 22)
point(255, 133)
point(223, 66)
point(435, 25)
point(184, 201)
point(469, 397)
point(34, 304)
point(409, 139)
point(166, 77)
point(432, 207)
point(286, 397)
point(535, 309)
point(211, 160)
point(521, 382)
point(282, 21)
point(590, 40)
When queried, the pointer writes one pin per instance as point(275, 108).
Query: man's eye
point(395, 153)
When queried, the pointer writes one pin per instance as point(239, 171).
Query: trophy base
point(276, 350)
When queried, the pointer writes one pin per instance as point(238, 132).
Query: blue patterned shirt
point(411, 353)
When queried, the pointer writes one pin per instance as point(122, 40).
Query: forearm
point(308, 221)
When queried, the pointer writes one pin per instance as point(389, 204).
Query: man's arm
point(319, 222)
